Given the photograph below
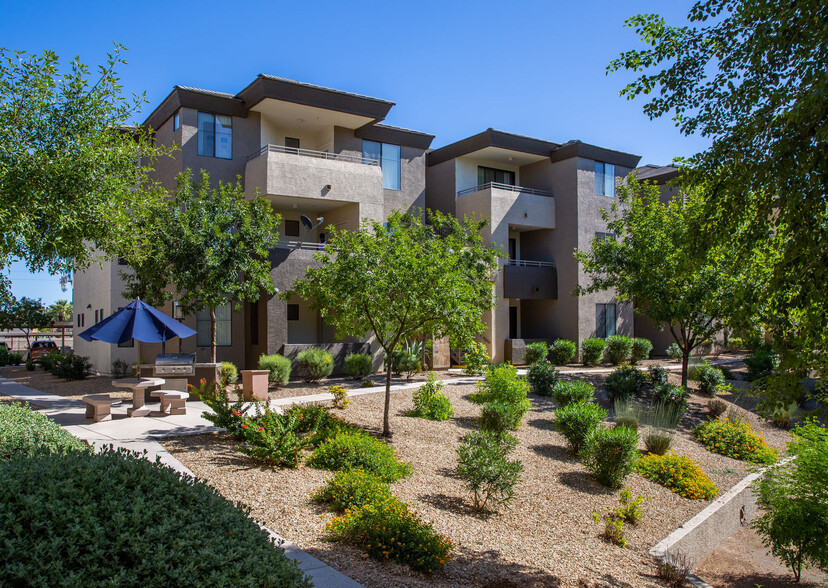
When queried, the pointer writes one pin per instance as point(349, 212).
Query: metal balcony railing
point(499, 186)
point(311, 153)
point(528, 263)
point(300, 245)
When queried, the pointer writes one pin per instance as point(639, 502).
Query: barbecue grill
point(175, 364)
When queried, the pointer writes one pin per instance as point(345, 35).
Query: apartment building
point(317, 154)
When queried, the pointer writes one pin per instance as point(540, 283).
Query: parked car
point(39, 349)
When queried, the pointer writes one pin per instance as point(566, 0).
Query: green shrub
point(658, 441)
point(340, 397)
point(628, 512)
point(613, 530)
point(120, 369)
point(716, 408)
point(476, 358)
point(618, 349)
point(279, 367)
point(229, 373)
point(736, 440)
point(641, 349)
point(783, 416)
point(387, 529)
point(678, 473)
point(611, 454)
point(225, 415)
point(359, 451)
point(658, 375)
point(625, 383)
point(671, 396)
point(499, 416)
point(630, 509)
point(761, 363)
point(403, 360)
point(568, 391)
point(4, 355)
point(314, 364)
point(674, 352)
point(484, 467)
point(430, 402)
point(711, 380)
point(26, 432)
point(72, 367)
point(51, 359)
point(318, 418)
point(735, 344)
point(30, 366)
point(358, 365)
point(15, 358)
point(536, 352)
point(502, 383)
point(592, 350)
point(562, 352)
point(276, 439)
point(351, 490)
point(542, 377)
point(577, 420)
point(116, 519)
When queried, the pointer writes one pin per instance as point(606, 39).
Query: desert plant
point(340, 397)
point(627, 414)
point(674, 352)
point(359, 451)
point(403, 360)
point(542, 377)
point(658, 375)
point(716, 408)
point(629, 509)
point(276, 439)
point(72, 367)
point(430, 402)
point(577, 420)
point(736, 440)
point(613, 530)
point(625, 383)
point(671, 397)
point(783, 416)
point(358, 365)
point(611, 454)
point(314, 364)
point(562, 352)
point(49, 360)
point(120, 369)
point(569, 391)
point(279, 367)
point(657, 441)
point(679, 473)
point(628, 512)
point(641, 349)
point(502, 383)
point(674, 569)
point(24, 432)
point(618, 349)
point(229, 373)
point(225, 415)
point(711, 380)
point(484, 467)
point(476, 358)
point(352, 490)
point(592, 350)
point(499, 416)
point(536, 352)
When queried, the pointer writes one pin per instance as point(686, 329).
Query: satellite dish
point(309, 226)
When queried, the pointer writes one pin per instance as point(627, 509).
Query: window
point(176, 122)
point(224, 324)
point(605, 236)
point(96, 316)
point(81, 320)
point(293, 312)
point(604, 178)
point(291, 228)
point(389, 157)
point(490, 174)
point(215, 135)
point(604, 320)
point(292, 145)
point(100, 314)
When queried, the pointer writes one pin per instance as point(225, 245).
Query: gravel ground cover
point(299, 388)
point(546, 538)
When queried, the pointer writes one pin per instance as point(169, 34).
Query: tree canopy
point(69, 171)
point(206, 246)
point(401, 279)
point(25, 314)
point(750, 75)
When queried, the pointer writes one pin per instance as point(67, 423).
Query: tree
point(69, 176)
point(25, 314)
point(750, 75)
point(403, 278)
point(649, 263)
point(59, 311)
point(206, 246)
point(794, 497)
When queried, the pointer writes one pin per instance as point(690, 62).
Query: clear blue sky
point(454, 68)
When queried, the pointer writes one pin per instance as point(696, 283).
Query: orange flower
point(236, 412)
point(244, 426)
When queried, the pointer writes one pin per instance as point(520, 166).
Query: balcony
point(507, 187)
point(530, 280)
point(507, 206)
point(311, 153)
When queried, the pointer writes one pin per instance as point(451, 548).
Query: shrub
point(81, 509)
point(276, 439)
point(562, 352)
point(340, 397)
point(674, 352)
point(542, 377)
point(624, 383)
point(674, 569)
point(735, 344)
point(15, 358)
point(761, 363)
point(503, 383)
point(671, 397)
point(783, 416)
point(611, 454)
point(484, 468)
point(711, 379)
point(315, 417)
point(628, 512)
point(678, 473)
point(476, 358)
point(26, 432)
point(627, 414)
point(716, 408)
point(358, 365)
point(279, 367)
point(657, 441)
point(568, 391)
point(51, 359)
point(30, 366)
point(359, 451)
point(658, 375)
point(641, 349)
point(499, 416)
point(229, 373)
point(592, 350)
point(613, 530)
point(736, 440)
point(536, 352)
point(351, 490)
point(630, 509)
point(577, 420)
point(225, 415)
point(618, 349)
point(4, 355)
point(72, 367)
point(314, 364)
point(388, 529)
point(403, 360)
point(120, 369)
point(430, 402)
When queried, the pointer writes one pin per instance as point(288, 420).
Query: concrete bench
point(98, 406)
point(172, 401)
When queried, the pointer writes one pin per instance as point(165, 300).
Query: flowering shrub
point(225, 415)
point(678, 473)
point(542, 377)
point(355, 451)
point(476, 358)
point(674, 397)
point(658, 375)
point(430, 402)
point(340, 397)
point(352, 490)
point(569, 391)
point(276, 439)
point(736, 440)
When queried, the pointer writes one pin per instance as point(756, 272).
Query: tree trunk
point(212, 335)
point(685, 362)
point(386, 424)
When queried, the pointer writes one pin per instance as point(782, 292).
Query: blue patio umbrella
point(137, 320)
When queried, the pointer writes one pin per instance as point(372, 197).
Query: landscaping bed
point(547, 536)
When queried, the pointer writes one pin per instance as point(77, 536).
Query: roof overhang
point(587, 151)
point(395, 135)
point(180, 97)
point(500, 141)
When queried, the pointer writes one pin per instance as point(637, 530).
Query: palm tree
point(59, 311)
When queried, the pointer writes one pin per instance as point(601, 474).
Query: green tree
point(750, 75)
point(60, 311)
point(402, 278)
point(650, 263)
point(794, 497)
point(26, 314)
point(206, 246)
point(69, 176)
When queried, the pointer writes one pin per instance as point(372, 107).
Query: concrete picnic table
point(138, 385)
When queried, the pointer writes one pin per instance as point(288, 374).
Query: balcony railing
point(300, 245)
point(499, 186)
point(528, 263)
point(311, 153)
